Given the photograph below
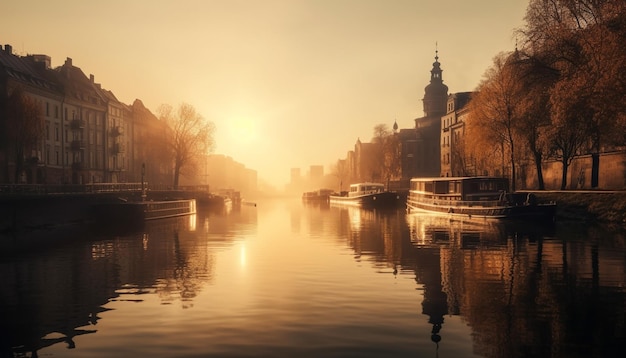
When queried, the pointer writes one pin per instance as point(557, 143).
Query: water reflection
point(525, 289)
point(53, 297)
point(321, 281)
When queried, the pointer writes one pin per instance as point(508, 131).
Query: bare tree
point(22, 129)
point(191, 136)
point(387, 158)
point(494, 111)
point(342, 172)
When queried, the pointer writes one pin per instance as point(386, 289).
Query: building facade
point(453, 162)
point(88, 135)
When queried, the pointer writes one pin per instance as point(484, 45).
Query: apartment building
point(87, 133)
point(452, 134)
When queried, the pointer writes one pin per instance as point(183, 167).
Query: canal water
point(284, 279)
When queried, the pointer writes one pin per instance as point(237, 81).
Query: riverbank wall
point(588, 205)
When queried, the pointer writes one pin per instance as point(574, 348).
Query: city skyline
point(287, 83)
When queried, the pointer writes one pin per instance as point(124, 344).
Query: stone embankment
point(588, 206)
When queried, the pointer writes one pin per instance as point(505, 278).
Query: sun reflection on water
point(242, 256)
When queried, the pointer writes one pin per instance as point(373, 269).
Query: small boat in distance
point(368, 195)
point(316, 197)
point(481, 196)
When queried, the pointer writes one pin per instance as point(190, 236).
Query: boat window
point(454, 187)
point(441, 187)
point(493, 185)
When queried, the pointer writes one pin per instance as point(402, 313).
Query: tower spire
point(436, 93)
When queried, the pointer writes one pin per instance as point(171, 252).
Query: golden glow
point(242, 256)
point(295, 82)
point(192, 221)
point(244, 130)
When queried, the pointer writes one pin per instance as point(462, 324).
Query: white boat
point(482, 196)
point(167, 209)
point(369, 195)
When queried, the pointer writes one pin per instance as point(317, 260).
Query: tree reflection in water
point(525, 289)
point(503, 288)
point(47, 296)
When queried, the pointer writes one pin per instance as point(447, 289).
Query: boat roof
point(458, 178)
point(367, 183)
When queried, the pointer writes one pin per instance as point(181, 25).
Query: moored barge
point(481, 196)
point(368, 195)
point(133, 212)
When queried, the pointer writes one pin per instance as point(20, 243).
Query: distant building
point(223, 174)
point(316, 172)
point(366, 168)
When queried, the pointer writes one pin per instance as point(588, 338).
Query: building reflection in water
point(55, 296)
point(525, 289)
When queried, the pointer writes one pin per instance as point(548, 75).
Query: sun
point(244, 131)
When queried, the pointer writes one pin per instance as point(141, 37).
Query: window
point(56, 111)
point(47, 109)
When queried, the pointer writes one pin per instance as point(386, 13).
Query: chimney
point(68, 62)
point(8, 49)
point(42, 60)
point(92, 78)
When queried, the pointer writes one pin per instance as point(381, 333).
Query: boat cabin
point(460, 188)
point(366, 189)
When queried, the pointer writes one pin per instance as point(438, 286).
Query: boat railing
point(462, 203)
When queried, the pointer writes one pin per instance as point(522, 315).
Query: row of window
point(95, 161)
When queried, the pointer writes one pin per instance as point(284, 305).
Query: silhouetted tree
point(191, 136)
point(569, 131)
point(536, 81)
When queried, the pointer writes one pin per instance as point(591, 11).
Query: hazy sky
point(288, 83)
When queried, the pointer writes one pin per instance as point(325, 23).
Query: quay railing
point(44, 189)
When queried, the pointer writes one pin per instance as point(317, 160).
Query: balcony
point(77, 124)
point(78, 145)
point(117, 131)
